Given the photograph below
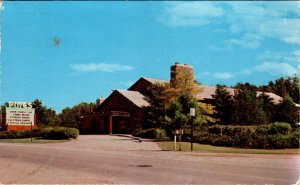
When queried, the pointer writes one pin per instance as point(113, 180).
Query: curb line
point(129, 136)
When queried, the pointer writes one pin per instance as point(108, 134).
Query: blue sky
point(65, 52)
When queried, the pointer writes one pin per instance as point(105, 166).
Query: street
point(120, 160)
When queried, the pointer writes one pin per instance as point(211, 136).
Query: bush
point(275, 135)
point(59, 133)
point(151, 133)
point(15, 134)
point(223, 141)
point(46, 133)
point(279, 128)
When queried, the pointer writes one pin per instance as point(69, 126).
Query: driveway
point(120, 160)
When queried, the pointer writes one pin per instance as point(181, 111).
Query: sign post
point(177, 133)
point(192, 114)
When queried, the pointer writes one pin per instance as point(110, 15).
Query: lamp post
point(192, 114)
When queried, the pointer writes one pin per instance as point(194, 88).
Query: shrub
point(152, 133)
point(294, 139)
point(46, 133)
point(279, 128)
point(223, 141)
point(216, 129)
point(275, 135)
point(59, 133)
point(15, 134)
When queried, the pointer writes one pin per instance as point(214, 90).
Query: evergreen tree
point(223, 105)
point(268, 107)
point(155, 113)
point(247, 109)
point(44, 116)
point(287, 111)
point(284, 86)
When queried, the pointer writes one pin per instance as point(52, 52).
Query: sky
point(65, 53)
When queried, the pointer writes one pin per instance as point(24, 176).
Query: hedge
point(275, 136)
point(46, 133)
point(152, 133)
point(59, 133)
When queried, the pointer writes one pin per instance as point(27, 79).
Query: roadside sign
point(192, 111)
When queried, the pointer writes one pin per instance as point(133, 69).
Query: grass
point(34, 140)
point(185, 146)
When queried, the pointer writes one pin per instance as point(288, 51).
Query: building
point(122, 111)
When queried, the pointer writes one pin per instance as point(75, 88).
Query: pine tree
point(287, 111)
point(223, 106)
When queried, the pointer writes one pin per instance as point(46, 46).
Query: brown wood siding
point(124, 125)
point(141, 86)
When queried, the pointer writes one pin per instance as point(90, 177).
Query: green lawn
point(34, 140)
point(185, 146)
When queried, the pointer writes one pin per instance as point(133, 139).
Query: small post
point(192, 114)
point(175, 141)
point(179, 141)
point(31, 133)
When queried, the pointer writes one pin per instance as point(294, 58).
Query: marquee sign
point(19, 116)
point(20, 104)
point(120, 113)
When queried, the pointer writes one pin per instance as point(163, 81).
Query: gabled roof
point(150, 80)
point(154, 81)
point(135, 97)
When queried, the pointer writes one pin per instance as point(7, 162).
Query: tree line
point(246, 108)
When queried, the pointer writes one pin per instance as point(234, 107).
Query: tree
point(223, 106)
point(178, 113)
point(265, 102)
point(44, 116)
point(155, 113)
point(286, 111)
point(171, 103)
point(70, 117)
point(247, 109)
point(284, 86)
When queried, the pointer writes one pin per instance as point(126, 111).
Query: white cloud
point(276, 68)
point(266, 19)
point(190, 13)
point(297, 55)
point(110, 68)
point(206, 73)
point(223, 75)
point(276, 20)
point(278, 56)
point(249, 40)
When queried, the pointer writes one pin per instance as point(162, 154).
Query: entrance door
point(121, 125)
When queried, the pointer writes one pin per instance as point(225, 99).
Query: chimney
point(181, 72)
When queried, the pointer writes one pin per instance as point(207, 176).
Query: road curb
point(129, 136)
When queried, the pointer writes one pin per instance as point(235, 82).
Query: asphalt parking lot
point(121, 160)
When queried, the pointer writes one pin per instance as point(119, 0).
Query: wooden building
point(123, 111)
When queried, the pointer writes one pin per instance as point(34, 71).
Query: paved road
point(112, 159)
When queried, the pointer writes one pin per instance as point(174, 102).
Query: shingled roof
point(207, 92)
point(155, 81)
point(135, 97)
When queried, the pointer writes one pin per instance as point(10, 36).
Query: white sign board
point(19, 116)
point(192, 111)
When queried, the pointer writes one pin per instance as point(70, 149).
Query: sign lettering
point(19, 116)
